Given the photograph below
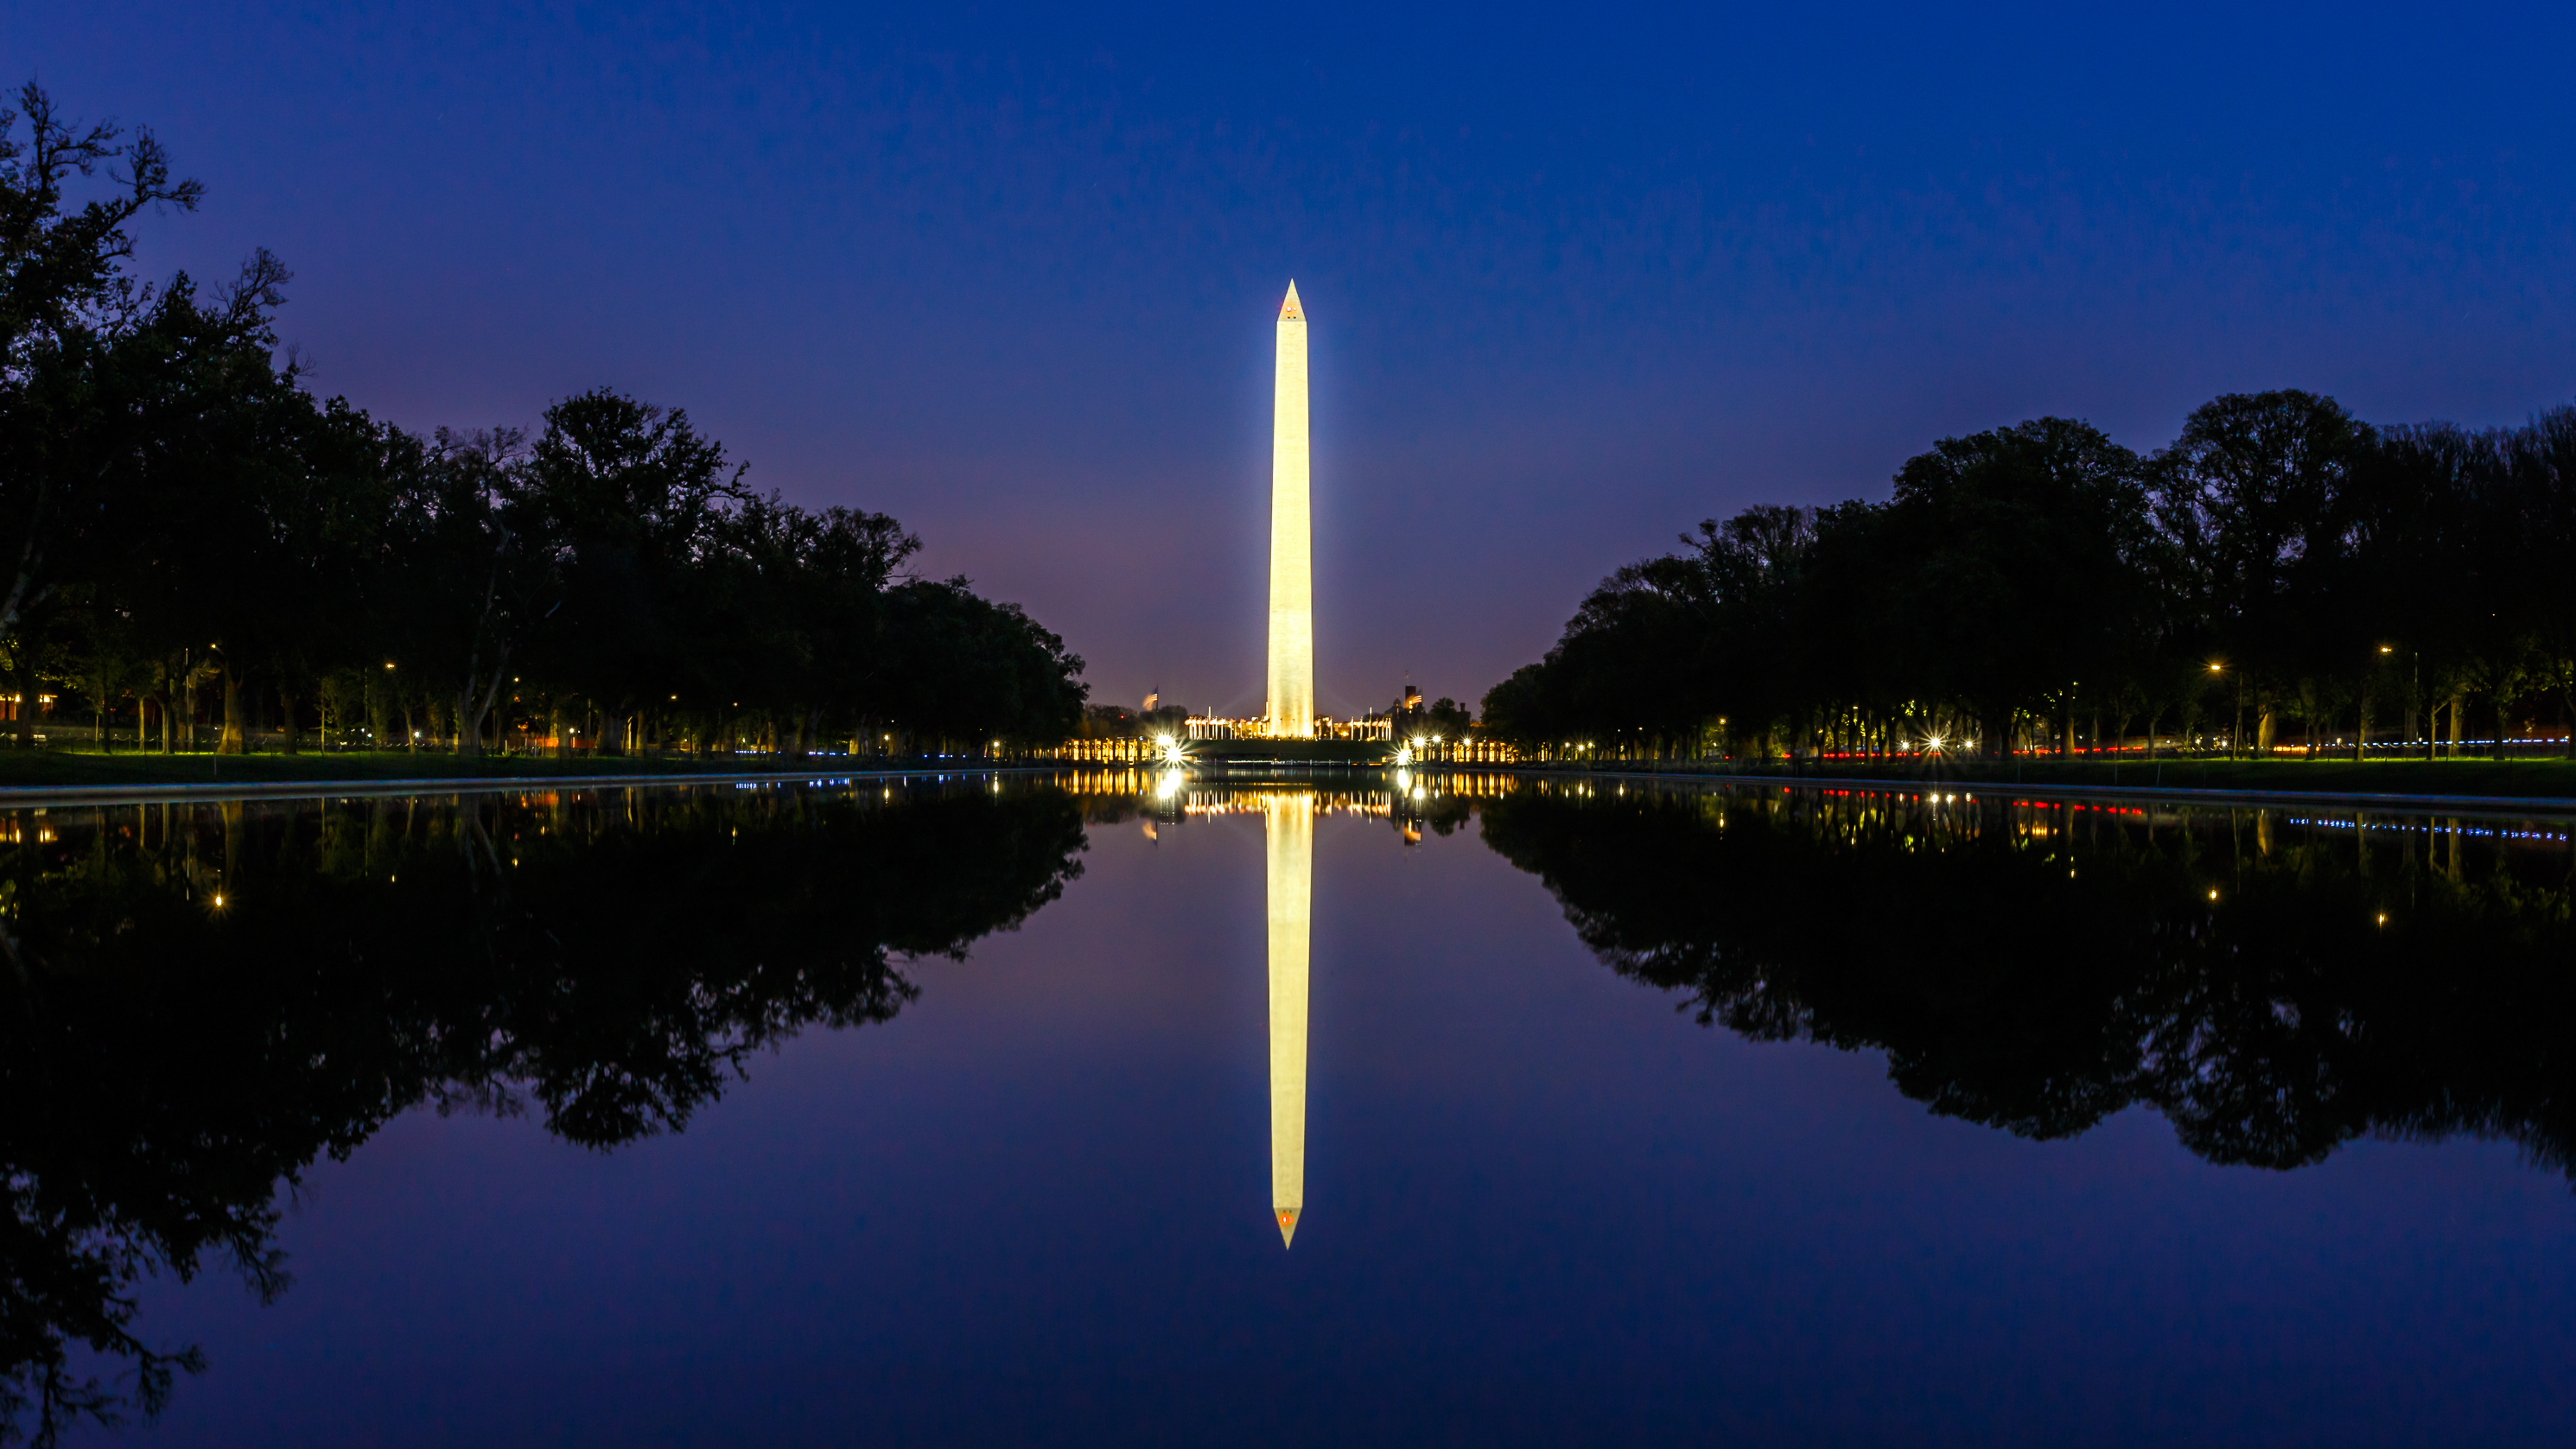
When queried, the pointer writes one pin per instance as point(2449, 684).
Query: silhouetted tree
point(2036, 583)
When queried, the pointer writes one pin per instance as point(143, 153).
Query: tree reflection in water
point(202, 999)
point(2274, 985)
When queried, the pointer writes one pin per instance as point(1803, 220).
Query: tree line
point(187, 533)
point(2282, 575)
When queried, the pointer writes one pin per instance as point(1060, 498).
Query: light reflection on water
point(2037, 964)
point(1505, 1143)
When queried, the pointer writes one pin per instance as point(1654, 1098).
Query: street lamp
point(2236, 726)
point(2415, 693)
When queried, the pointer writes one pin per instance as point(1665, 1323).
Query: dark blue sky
point(1576, 280)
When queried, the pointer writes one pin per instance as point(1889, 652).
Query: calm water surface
point(1454, 1111)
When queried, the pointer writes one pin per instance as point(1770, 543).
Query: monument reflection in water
point(1288, 908)
point(1288, 855)
point(2275, 983)
point(208, 1001)
point(1288, 875)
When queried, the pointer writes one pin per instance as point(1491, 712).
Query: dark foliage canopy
point(2279, 559)
point(178, 511)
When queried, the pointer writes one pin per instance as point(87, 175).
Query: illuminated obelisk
point(1290, 839)
point(1292, 537)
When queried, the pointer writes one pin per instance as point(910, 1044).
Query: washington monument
point(1292, 538)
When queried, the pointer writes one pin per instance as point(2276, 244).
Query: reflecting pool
point(1387, 1108)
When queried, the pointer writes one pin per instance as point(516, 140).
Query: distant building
point(1320, 727)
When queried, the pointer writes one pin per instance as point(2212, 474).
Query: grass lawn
point(55, 767)
point(2533, 778)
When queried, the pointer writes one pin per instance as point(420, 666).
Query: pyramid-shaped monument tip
point(1287, 1227)
point(1289, 311)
